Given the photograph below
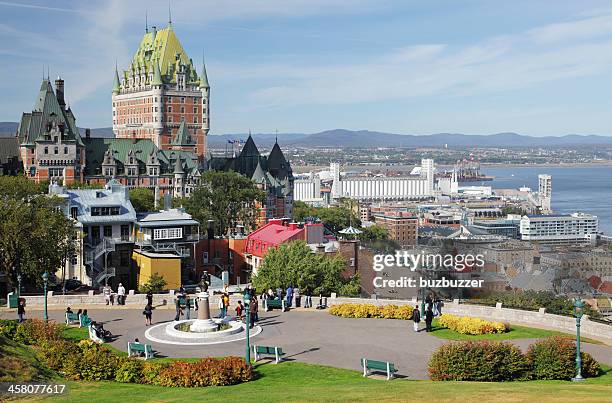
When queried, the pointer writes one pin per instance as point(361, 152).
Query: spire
point(169, 15)
point(204, 78)
point(116, 85)
point(157, 79)
point(146, 22)
point(178, 166)
point(182, 135)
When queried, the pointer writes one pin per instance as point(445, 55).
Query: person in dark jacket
point(150, 298)
point(428, 319)
point(21, 310)
point(148, 314)
point(416, 318)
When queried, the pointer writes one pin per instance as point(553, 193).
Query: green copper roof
point(116, 85)
point(157, 79)
point(204, 77)
point(162, 48)
point(182, 137)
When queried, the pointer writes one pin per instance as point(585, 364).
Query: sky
point(302, 66)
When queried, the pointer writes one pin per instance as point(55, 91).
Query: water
point(585, 189)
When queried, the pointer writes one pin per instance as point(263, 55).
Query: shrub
point(8, 328)
point(155, 284)
point(478, 361)
point(57, 353)
point(555, 358)
point(94, 363)
point(35, 331)
point(372, 311)
point(129, 371)
point(150, 373)
point(206, 372)
point(473, 326)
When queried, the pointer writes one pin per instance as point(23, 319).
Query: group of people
point(108, 293)
point(251, 294)
point(292, 296)
point(433, 308)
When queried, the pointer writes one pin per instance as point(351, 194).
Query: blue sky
point(415, 67)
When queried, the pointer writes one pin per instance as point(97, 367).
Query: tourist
point(150, 297)
point(279, 293)
point(21, 310)
point(187, 308)
point(79, 312)
point(289, 296)
point(239, 309)
point(148, 314)
point(428, 319)
point(121, 295)
point(85, 312)
point(298, 297)
point(68, 310)
point(107, 294)
point(181, 290)
point(428, 301)
point(270, 293)
point(226, 302)
point(179, 310)
point(308, 299)
point(253, 312)
point(439, 305)
point(416, 318)
point(221, 306)
point(137, 353)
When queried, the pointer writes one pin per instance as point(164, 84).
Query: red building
point(269, 236)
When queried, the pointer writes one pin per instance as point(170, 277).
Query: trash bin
point(13, 300)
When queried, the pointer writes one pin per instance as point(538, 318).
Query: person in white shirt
point(107, 294)
point(121, 294)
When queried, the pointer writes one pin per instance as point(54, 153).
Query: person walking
point(107, 294)
point(226, 303)
point(239, 309)
point(416, 318)
point(179, 311)
point(279, 293)
point(254, 317)
point(298, 297)
point(21, 310)
point(148, 314)
point(428, 319)
point(121, 295)
point(428, 302)
point(308, 299)
point(221, 307)
point(150, 297)
point(289, 296)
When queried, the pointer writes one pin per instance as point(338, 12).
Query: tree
point(80, 185)
point(227, 198)
point(155, 284)
point(20, 188)
point(334, 218)
point(142, 199)
point(374, 233)
point(294, 263)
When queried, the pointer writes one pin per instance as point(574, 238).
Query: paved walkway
point(306, 336)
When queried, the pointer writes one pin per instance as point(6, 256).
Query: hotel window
point(195, 109)
point(55, 150)
point(182, 109)
point(195, 119)
point(169, 109)
point(182, 100)
point(46, 150)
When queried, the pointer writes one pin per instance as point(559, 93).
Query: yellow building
point(167, 265)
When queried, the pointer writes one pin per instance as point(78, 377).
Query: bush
point(94, 363)
point(555, 358)
point(206, 372)
point(8, 328)
point(372, 311)
point(129, 371)
point(57, 353)
point(150, 373)
point(478, 361)
point(36, 331)
point(155, 284)
point(473, 326)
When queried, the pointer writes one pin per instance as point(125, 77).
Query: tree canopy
point(35, 235)
point(374, 233)
point(295, 264)
point(228, 198)
point(142, 199)
point(334, 218)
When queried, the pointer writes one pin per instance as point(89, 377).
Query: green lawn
point(294, 381)
point(515, 332)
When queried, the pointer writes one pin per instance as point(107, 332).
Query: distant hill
point(343, 138)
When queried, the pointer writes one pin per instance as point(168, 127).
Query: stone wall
point(529, 318)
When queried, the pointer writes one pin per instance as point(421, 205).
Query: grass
point(515, 332)
point(18, 363)
point(294, 381)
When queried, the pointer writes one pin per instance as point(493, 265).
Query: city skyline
point(415, 69)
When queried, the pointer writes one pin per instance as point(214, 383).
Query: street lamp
point(578, 312)
point(45, 278)
point(18, 285)
point(247, 303)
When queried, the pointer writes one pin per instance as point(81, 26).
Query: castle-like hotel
point(161, 118)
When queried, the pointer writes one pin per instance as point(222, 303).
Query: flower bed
point(473, 326)
point(403, 312)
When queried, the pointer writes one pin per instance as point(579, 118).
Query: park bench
point(134, 347)
point(71, 318)
point(275, 303)
point(84, 320)
point(383, 366)
point(277, 352)
point(93, 336)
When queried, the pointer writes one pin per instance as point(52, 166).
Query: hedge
point(555, 358)
point(474, 326)
point(403, 312)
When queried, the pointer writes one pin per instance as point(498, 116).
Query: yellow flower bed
point(474, 326)
point(372, 311)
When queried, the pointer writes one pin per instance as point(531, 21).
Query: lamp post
point(18, 285)
point(247, 303)
point(578, 311)
point(45, 278)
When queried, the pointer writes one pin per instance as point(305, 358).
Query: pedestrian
point(221, 306)
point(187, 308)
point(270, 293)
point(21, 310)
point(253, 312)
point(150, 297)
point(226, 303)
point(148, 314)
point(239, 308)
point(416, 318)
point(289, 296)
point(179, 311)
point(439, 305)
point(298, 301)
point(121, 295)
point(279, 293)
point(107, 294)
point(308, 299)
point(181, 290)
point(428, 319)
point(68, 310)
point(428, 301)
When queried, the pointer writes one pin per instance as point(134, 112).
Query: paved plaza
point(309, 336)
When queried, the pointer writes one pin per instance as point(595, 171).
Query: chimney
point(167, 201)
point(87, 133)
point(293, 226)
point(59, 92)
point(211, 229)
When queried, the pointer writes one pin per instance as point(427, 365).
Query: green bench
point(275, 303)
point(84, 320)
point(71, 318)
point(382, 366)
point(134, 347)
point(277, 352)
point(93, 336)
